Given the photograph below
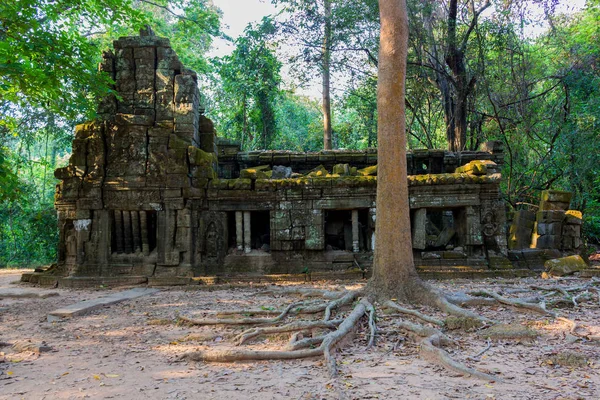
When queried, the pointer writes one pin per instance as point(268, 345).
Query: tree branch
point(463, 45)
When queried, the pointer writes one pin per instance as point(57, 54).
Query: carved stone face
point(489, 226)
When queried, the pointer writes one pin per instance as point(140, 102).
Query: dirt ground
point(132, 350)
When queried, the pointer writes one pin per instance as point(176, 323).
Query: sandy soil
point(131, 350)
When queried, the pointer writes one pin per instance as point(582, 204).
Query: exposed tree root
point(431, 351)
point(372, 326)
point(423, 331)
point(414, 313)
point(239, 321)
point(540, 309)
point(442, 302)
point(482, 352)
point(304, 343)
point(344, 300)
point(325, 349)
point(464, 300)
point(291, 327)
point(305, 292)
point(305, 337)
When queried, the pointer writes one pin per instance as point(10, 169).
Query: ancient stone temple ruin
point(150, 193)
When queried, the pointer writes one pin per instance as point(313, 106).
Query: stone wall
point(150, 192)
point(553, 230)
point(124, 201)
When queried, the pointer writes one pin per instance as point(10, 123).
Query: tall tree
point(249, 81)
point(330, 36)
point(393, 265)
point(326, 74)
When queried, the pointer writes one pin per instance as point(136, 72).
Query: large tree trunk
point(327, 141)
point(394, 273)
point(455, 58)
point(463, 85)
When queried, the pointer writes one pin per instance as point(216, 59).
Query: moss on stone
point(219, 184)
point(176, 143)
point(565, 265)
point(318, 172)
point(368, 171)
point(477, 167)
point(462, 323)
point(568, 359)
point(509, 331)
point(341, 169)
point(239, 184)
point(200, 157)
point(259, 172)
point(265, 185)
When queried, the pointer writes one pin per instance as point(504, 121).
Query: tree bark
point(393, 271)
point(463, 85)
point(327, 132)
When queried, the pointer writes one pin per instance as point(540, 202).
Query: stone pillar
point(135, 230)
point(82, 233)
point(247, 232)
point(239, 230)
point(128, 247)
point(372, 221)
point(144, 232)
point(419, 233)
point(118, 231)
point(103, 220)
point(355, 234)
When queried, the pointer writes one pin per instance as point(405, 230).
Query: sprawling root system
point(318, 327)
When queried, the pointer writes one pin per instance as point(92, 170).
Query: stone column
point(135, 230)
point(419, 234)
point(247, 232)
point(118, 231)
point(239, 230)
point(144, 232)
point(128, 245)
point(372, 221)
point(355, 235)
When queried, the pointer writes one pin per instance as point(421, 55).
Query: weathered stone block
point(556, 196)
point(282, 234)
point(240, 184)
point(146, 53)
point(341, 169)
point(265, 185)
point(281, 220)
point(571, 230)
point(550, 216)
point(565, 265)
point(186, 90)
point(546, 205)
point(136, 119)
point(298, 233)
point(548, 242)
point(124, 59)
point(553, 228)
point(167, 59)
point(125, 85)
point(499, 262)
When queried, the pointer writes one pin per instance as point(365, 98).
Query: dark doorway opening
point(338, 230)
point(231, 230)
point(260, 230)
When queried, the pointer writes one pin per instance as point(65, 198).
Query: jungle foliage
point(475, 71)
